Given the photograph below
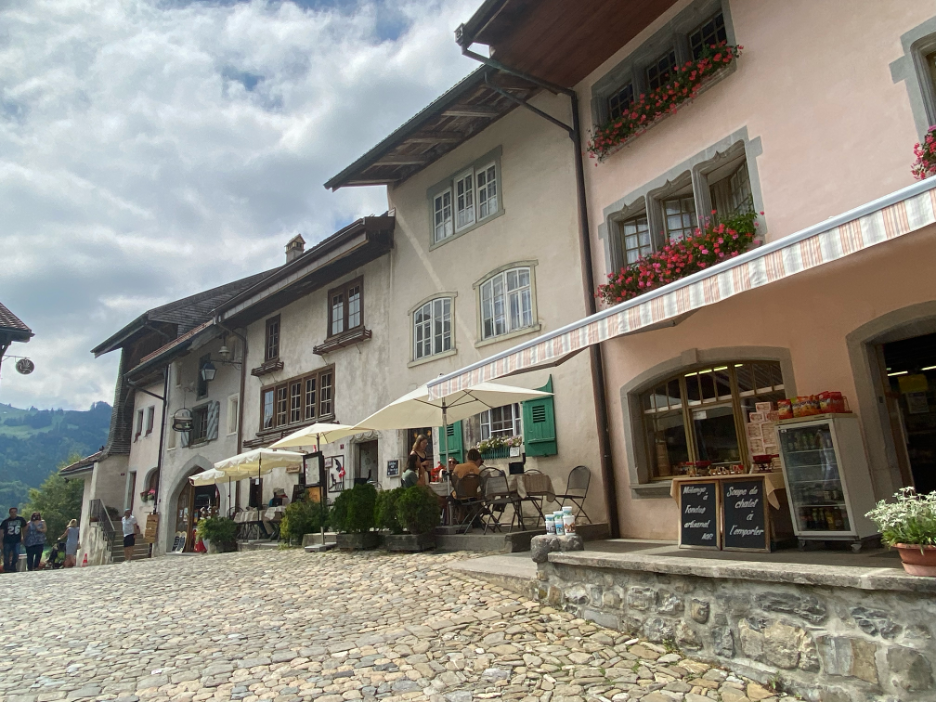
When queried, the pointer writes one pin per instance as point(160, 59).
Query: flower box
point(718, 241)
point(651, 107)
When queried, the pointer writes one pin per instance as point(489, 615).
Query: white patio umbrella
point(257, 462)
point(415, 409)
point(316, 435)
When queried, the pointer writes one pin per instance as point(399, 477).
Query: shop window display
point(699, 415)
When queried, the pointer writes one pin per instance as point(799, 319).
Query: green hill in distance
point(33, 442)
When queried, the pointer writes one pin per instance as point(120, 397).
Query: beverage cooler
point(827, 478)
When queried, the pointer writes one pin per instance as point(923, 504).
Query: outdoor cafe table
point(260, 518)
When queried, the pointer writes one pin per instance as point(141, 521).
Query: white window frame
point(497, 286)
point(233, 413)
point(139, 425)
point(484, 197)
point(486, 420)
point(150, 419)
point(437, 314)
point(464, 200)
point(443, 217)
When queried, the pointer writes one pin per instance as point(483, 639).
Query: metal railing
point(98, 510)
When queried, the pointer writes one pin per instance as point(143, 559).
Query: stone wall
point(828, 644)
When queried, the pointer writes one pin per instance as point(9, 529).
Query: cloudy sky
point(151, 149)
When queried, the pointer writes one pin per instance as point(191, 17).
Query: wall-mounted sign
point(393, 468)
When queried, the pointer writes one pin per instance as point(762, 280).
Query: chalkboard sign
point(698, 514)
point(746, 526)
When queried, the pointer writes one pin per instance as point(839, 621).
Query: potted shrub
point(385, 513)
point(909, 525)
point(353, 517)
point(301, 518)
point(218, 533)
point(417, 512)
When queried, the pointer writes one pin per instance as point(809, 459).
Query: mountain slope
point(33, 442)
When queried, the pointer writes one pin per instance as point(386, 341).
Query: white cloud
point(149, 150)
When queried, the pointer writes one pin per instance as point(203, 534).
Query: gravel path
point(285, 626)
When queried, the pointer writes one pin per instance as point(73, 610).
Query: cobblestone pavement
point(287, 625)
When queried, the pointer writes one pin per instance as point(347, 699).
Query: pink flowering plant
point(925, 152)
point(685, 83)
point(719, 240)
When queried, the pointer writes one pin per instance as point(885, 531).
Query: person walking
point(12, 528)
point(34, 540)
point(130, 530)
point(70, 537)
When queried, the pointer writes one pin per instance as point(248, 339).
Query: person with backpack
point(34, 539)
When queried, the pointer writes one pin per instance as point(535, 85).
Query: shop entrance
point(366, 468)
point(192, 503)
point(911, 400)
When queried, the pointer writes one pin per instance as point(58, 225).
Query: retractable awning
point(886, 218)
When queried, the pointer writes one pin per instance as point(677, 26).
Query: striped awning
point(889, 217)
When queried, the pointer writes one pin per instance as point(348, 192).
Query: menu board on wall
point(745, 514)
point(698, 514)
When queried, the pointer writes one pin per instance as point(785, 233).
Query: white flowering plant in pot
point(908, 523)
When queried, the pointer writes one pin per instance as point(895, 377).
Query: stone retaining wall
point(828, 644)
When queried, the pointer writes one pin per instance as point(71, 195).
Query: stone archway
point(169, 498)
point(907, 322)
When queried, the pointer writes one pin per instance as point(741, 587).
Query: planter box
point(410, 543)
point(358, 542)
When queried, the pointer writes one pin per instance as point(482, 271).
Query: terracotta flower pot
point(915, 562)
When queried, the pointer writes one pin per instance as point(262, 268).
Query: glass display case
point(827, 477)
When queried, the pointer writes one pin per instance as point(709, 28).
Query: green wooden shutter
point(453, 436)
point(539, 425)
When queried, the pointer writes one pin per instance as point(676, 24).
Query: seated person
point(471, 466)
point(412, 473)
point(279, 498)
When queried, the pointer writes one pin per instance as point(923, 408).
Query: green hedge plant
point(418, 510)
point(386, 510)
point(301, 518)
point(353, 511)
point(219, 530)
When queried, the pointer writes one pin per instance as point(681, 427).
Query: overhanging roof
point(558, 40)
point(82, 466)
point(358, 243)
point(12, 327)
point(468, 108)
point(875, 222)
point(185, 313)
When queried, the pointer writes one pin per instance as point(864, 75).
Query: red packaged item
point(785, 409)
point(833, 402)
point(812, 405)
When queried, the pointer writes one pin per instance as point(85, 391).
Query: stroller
point(56, 557)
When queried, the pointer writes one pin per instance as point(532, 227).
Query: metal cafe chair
point(497, 496)
point(577, 489)
point(467, 498)
point(539, 490)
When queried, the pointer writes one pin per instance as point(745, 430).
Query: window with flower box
point(271, 347)
point(685, 38)
point(700, 415)
point(467, 199)
point(715, 188)
point(306, 399)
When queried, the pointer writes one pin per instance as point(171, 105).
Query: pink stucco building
point(814, 127)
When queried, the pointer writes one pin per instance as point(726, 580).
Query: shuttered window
point(539, 425)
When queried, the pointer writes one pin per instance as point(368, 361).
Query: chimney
point(294, 248)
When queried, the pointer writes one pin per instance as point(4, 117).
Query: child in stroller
point(56, 557)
